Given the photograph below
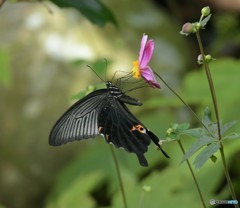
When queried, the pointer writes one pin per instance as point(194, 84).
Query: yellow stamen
point(135, 70)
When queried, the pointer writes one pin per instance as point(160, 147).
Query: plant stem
point(210, 82)
point(188, 107)
point(119, 176)
point(214, 100)
point(227, 175)
point(193, 175)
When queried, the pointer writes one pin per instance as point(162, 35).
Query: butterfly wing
point(121, 128)
point(80, 121)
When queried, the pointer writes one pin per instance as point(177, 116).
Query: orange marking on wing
point(138, 128)
point(100, 128)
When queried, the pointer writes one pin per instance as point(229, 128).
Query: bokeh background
point(44, 51)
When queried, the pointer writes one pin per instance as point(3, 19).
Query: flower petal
point(146, 53)
point(149, 77)
point(142, 47)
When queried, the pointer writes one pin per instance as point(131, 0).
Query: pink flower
point(140, 67)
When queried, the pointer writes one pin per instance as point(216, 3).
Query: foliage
point(225, 73)
point(94, 169)
point(94, 10)
point(207, 139)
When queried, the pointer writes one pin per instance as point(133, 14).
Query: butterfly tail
point(156, 142)
point(142, 160)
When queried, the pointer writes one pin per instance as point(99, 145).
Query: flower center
point(136, 70)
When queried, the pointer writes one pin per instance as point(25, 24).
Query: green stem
point(193, 175)
point(119, 176)
point(227, 175)
point(210, 82)
point(214, 100)
point(179, 97)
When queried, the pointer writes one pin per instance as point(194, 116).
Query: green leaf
point(206, 118)
point(232, 136)
point(204, 140)
point(94, 10)
point(182, 127)
point(227, 126)
point(226, 75)
point(205, 20)
point(205, 154)
point(196, 132)
point(176, 130)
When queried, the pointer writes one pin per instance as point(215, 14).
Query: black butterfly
point(103, 112)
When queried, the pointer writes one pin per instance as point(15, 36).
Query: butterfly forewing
point(80, 121)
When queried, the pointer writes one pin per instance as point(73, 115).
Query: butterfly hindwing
point(80, 121)
point(121, 128)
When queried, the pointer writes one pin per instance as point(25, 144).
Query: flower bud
point(187, 28)
point(169, 131)
point(200, 59)
point(205, 11)
point(208, 58)
point(199, 26)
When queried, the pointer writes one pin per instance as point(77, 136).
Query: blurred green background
point(44, 51)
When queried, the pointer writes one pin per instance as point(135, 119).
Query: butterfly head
point(109, 84)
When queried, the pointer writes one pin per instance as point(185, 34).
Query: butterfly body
point(103, 112)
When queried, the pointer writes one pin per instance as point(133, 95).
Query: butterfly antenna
point(124, 78)
point(95, 73)
point(106, 62)
point(114, 76)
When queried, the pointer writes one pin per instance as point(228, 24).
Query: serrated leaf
point(182, 127)
point(205, 20)
point(196, 146)
point(232, 136)
point(205, 154)
point(227, 126)
point(206, 118)
point(213, 128)
point(196, 132)
point(94, 10)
